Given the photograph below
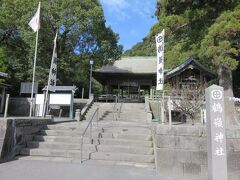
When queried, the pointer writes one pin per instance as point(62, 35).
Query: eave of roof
point(185, 64)
point(135, 65)
point(63, 88)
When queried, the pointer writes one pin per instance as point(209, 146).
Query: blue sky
point(131, 19)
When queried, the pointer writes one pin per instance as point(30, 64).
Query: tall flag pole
point(160, 67)
point(52, 76)
point(35, 25)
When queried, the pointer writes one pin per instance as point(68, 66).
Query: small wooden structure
point(190, 75)
point(62, 97)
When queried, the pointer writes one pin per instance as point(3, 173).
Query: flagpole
point(49, 77)
point(33, 78)
point(34, 68)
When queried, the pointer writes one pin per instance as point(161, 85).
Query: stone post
point(169, 111)
point(217, 154)
point(6, 106)
point(78, 115)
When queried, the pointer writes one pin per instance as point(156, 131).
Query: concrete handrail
point(148, 109)
point(86, 107)
point(90, 124)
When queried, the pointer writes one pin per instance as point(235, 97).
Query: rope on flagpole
point(34, 66)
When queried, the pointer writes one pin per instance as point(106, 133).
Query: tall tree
point(82, 36)
point(222, 46)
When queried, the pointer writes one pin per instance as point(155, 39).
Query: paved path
point(42, 170)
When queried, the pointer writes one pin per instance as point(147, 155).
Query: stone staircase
point(61, 141)
point(126, 136)
point(125, 143)
point(125, 140)
point(105, 110)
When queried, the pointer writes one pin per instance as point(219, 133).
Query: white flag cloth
point(160, 60)
point(53, 69)
point(35, 21)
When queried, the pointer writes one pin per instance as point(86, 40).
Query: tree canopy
point(82, 36)
point(207, 30)
point(186, 24)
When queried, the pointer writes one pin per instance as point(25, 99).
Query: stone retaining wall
point(182, 150)
point(16, 132)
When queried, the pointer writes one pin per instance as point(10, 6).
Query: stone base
point(16, 132)
point(182, 150)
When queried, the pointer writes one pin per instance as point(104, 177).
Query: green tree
point(82, 36)
point(221, 46)
point(186, 23)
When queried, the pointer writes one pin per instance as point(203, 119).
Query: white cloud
point(116, 4)
point(118, 8)
point(144, 9)
point(122, 9)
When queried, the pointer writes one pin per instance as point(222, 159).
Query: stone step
point(60, 145)
point(55, 153)
point(49, 159)
point(133, 115)
point(68, 133)
point(121, 129)
point(63, 139)
point(126, 135)
point(125, 149)
point(122, 163)
point(124, 142)
point(95, 162)
point(72, 127)
point(109, 156)
point(126, 119)
point(116, 123)
point(131, 112)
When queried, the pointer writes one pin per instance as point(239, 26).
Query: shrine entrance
point(129, 78)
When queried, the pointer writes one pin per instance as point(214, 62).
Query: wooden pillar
point(2, 99)
point(128, 89)
point(139, 88)
point(108, 87)
point(118, 91)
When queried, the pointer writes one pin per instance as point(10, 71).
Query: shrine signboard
point(217, 153)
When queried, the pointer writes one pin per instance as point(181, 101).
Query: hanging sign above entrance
point(160, 60)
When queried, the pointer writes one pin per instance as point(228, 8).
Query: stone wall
point(16, 132)
point(182, 150)
point(19, 106)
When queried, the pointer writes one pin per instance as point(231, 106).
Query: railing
point(115, 109)
point(90, 124)
point(119, 110)
point(86, 107)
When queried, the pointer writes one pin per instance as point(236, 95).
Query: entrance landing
point(44, 170)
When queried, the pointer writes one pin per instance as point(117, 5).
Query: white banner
point(53, 69)
point(160, 60)
point(35, 21)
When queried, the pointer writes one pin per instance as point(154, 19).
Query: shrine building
point(129, 77)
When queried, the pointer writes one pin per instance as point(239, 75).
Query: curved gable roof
point(182, 67)
point(135, 65)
